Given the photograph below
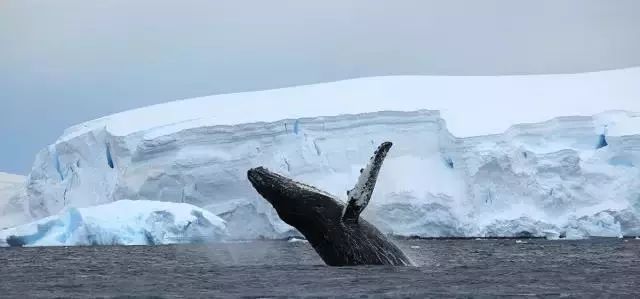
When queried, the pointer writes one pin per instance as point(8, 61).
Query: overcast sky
point(65, 61)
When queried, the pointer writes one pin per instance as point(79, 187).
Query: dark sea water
point(446, 268)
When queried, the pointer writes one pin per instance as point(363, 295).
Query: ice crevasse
point(452, 172)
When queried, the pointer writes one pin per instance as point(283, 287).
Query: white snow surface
point(9, 180)
point(473, 175)
point(123, 222)
point(472, 105)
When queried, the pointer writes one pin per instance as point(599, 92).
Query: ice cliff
point(12, 199)
point(462, 171)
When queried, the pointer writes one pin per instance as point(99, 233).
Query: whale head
point(297, 204)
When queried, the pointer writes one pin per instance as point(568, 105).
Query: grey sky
point(67, 61)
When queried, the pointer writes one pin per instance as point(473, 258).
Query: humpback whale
point(336, 231)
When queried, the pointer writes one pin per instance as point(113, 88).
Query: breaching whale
point(337, 232)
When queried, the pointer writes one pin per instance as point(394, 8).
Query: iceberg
point(472, 156)
point(123, 222)
point(12, 200)
point(9, 182)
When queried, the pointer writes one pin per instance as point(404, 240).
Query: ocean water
point(445, 268)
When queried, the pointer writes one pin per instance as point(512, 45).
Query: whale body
point(335, 230)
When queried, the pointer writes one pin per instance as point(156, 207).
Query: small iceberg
point(124, 222)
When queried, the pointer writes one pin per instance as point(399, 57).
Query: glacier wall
point(572, 176)
point(12, 199)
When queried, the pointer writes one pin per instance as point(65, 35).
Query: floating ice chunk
point(123, 222)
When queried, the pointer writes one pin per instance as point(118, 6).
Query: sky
point(68, 61)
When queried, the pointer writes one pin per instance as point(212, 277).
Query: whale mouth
point(258, 176)
point(268, 184)
point(254, 175)
point(263, 180)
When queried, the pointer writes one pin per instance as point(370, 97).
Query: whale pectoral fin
point(361, 193)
